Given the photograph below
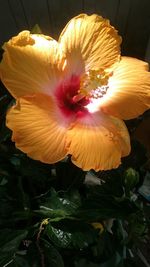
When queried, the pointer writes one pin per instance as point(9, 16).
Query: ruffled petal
point(38, 128)
point(98, 142)
point(31, 63)
point(90, 42)
point(128, 95)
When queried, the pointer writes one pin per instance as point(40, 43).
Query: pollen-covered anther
point(94, 83)
point(99, 92)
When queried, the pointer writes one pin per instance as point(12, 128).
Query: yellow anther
point(45, 222)
point(92, 80)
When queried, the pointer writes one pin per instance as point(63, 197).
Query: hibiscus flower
point(73, 95)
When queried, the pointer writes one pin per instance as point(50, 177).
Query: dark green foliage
point(47, 211)
point(9, 243)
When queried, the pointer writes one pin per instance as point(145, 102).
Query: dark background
point(130, 17)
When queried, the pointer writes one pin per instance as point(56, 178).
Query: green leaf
point(115, 261)
point(9, 243)
point(105, 246)
point(59, 207)
point(106, 201)
point(137, 228)
point(85, 263)
point(54, 258)
point(20, 262)
point(3, 180)
point(59, 237)
point(15, 161)
point(131, 179)
point(71, 234)
point(37, 175)
point(44, 253)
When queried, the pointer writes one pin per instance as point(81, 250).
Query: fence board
point(17, 10)
point(37, 13)
point(89, 6)
point(147, 54)
point(138, 29)
point(8, 25)
point(130, 17)
point(62, 11)
point(122, 15)
point(107, 9)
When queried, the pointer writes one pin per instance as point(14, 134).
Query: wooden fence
point(130, 17)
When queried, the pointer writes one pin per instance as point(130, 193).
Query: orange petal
point(90, 41)
point(38, 129)
point(129, 90)
point(98, 142)
point(31, 63)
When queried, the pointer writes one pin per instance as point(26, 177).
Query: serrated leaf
point(71, 234)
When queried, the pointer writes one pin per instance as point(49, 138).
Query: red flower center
point(68, 98)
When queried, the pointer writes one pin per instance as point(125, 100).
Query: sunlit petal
point(38, 128)
point(98, 142)
point(31, 63)
point(90, 42)
point(129, 89)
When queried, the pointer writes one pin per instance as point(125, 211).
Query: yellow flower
point(72, 95)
